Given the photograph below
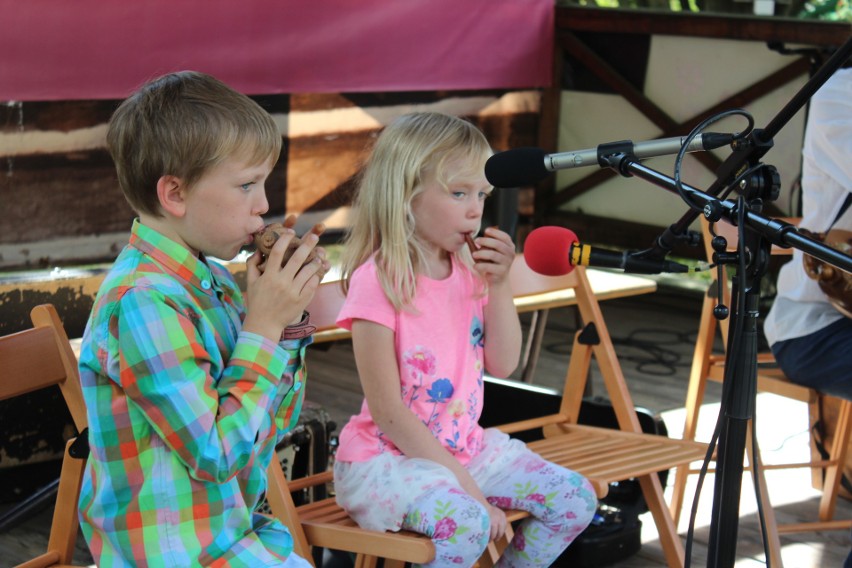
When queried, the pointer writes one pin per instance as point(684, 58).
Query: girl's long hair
point(411, 148)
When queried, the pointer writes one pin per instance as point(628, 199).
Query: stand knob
point(721, 311)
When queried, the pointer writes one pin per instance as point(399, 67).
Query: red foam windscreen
point(547, 250)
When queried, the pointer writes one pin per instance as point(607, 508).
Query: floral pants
point(561, 503)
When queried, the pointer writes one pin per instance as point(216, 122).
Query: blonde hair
point(183, 124)
point(408, 151)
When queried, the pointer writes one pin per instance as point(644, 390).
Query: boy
point(188, 390)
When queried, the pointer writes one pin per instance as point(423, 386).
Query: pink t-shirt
point(440, 357)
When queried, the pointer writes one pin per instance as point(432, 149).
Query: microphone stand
point(739, 388)
point(759, 142)
point(757, 234)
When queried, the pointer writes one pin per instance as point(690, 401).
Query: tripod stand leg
point(769, 521)
point(739, 390)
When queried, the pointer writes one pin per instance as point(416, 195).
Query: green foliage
point(829, 10)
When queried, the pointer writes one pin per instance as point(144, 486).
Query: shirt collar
point(173, 256)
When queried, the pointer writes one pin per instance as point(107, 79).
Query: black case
point(613, 535)
point(304, 450)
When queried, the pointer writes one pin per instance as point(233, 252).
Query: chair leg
point(670, 541)
point(63, 532)
point(694, 398)
point(366, 561)
point(834, 472)
point(533, 344)
point(495, 549)
point(814, 416)
point(490, 557)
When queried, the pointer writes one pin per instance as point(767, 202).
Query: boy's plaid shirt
point(185, 410)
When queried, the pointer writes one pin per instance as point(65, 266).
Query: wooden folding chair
point(34, 359)
point(603, 455)
point(42, 357)
point(710, 364)
point(323, 523)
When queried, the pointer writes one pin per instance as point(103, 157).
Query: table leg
point(533, 346)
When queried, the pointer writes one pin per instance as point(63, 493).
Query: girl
point(428, 318)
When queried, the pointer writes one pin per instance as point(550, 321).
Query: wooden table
point(533, 293)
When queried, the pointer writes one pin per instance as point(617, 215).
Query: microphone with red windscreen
point(553, 251)
point(547, 250)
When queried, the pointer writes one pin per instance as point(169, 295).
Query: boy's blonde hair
point(408, 152)
point(183, 124)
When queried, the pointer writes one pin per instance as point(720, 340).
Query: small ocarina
point(269, 235)
point(468, 238)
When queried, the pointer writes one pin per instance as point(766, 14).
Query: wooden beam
point(752, 28)
point(549, 198)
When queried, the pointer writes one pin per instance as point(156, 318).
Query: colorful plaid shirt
point(185, 410)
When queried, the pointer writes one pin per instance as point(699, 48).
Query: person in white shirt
point(810, 337)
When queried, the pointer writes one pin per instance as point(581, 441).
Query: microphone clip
point(619, 150)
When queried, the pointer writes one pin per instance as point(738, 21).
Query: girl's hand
point(498, 522)
point(495, 255)
point(502, 327)
point(496, 516)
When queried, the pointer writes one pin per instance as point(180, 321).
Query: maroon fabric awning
point(96, 49)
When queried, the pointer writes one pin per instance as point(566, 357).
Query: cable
point(695, 132)
point(702, 474)
point(650, 351)
point(755, 473)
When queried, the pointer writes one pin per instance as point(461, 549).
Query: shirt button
point(205, 284)
point(297, 387)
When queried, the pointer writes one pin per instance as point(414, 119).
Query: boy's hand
point(265, 239)
point(277, 295)
point(495, 255)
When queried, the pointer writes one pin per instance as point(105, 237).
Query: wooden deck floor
point(654, 336)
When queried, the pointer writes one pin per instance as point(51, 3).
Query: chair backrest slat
point(29, 360)
point(34, 359)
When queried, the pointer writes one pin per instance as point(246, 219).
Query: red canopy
point(96, 49)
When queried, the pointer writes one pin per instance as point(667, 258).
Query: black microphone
point(530, 165)
point(554, 251)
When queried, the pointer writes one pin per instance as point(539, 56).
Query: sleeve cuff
point(300, 330)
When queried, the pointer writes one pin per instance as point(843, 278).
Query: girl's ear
point(170, 192)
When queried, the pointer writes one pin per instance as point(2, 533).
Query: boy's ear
point(170, 192)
